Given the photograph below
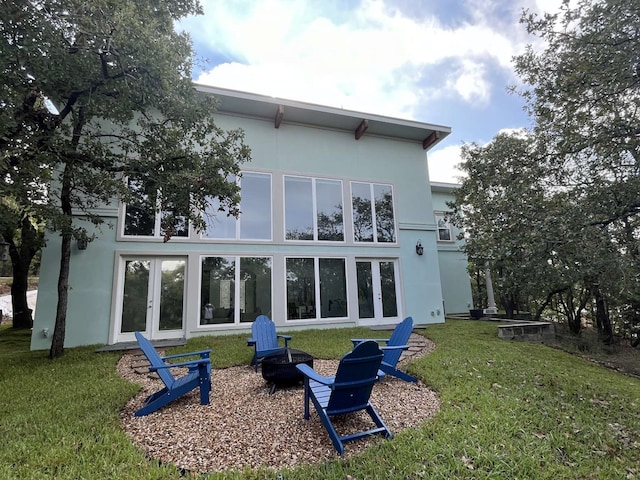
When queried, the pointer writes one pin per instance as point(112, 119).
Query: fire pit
point(280, 370)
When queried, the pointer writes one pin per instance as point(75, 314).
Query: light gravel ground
point(246, 427)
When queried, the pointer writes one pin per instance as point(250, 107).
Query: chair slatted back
point(400, 336)
point(155, 359)
point(264, 333)
point(355, 377)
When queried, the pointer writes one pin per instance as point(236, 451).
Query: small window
point(445, 228)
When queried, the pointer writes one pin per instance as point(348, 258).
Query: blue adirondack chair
point(346, 392)
point(199, 375)
point(393, 348)
point(264, 339)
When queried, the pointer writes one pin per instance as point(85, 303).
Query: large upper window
point(316, 288)
point(373, 219)
point(254, 222)
point(234, 289)
point(143, 219)
point(445, 228)
point(313, 209)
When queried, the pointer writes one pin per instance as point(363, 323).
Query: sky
point(443, 62)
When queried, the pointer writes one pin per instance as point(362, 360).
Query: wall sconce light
point(419, 247)
point(82, 244)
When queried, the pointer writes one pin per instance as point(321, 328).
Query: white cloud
point(443, 164)
point(374, 60)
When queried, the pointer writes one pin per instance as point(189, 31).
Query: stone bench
point(527, 331)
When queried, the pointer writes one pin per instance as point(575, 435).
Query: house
point(337, 229)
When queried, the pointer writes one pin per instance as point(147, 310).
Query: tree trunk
point(57, 342)
point(30, 243)
point(19, 287)
point(602, 317)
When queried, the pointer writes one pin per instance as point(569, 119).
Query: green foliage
point(509, 410)
point(99, 92)
point(555, 212)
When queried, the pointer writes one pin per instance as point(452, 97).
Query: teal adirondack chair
point(393, 348)
point(264, 339)
point(199, 375)
point(347, 392)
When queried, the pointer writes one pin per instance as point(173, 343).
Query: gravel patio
point(246, 427)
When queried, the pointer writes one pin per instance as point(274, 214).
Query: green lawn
point(509, 410)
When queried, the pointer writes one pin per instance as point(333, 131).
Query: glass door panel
point(377, 291)
point(151, 298)
point(171, 295)
point(135, 296)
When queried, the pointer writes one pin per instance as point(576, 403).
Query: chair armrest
point(202, 353)
point(394, 347)
point(357, 341)
point(286, 337)
point(251, 342)
point(310, 373)
point(153, 368)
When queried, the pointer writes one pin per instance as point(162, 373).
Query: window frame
point(314, 206)
point(238, 221)
point(237, 311)
point(317, 305)
point(448, 226)
point(374, 221)
point(157, 221)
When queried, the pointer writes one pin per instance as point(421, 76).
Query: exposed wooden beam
point(279, 115)
point(364, 124)
point(431, 139)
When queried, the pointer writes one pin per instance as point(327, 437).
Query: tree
point(583, 92)
point(24, 236)
point(98, 92)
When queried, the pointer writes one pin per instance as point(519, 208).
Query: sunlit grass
point(509, 410)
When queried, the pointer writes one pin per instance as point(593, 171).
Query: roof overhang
point(281, 111)
point(443, 187)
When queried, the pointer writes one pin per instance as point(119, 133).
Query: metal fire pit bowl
point(279, 369)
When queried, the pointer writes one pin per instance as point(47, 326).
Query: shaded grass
point(509, 410)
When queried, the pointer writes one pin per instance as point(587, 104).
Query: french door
point(378, 291)
point(151, 297)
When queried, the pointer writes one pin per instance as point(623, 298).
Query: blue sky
point(445, 62)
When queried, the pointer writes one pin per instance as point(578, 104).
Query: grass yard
point(509, 410)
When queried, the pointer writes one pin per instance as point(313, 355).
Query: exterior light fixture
point(82, 244)
point(419, 247)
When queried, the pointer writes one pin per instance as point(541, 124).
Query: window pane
point(140, 216)
point(175, 225)
point(385, 226)
point(444, 228)
point(333, 288)
point(219, 223)
point(329, 206)
point(365, 290)
point(362, 218)
point(388, 289)
point(298, 208)
point(217, 290)
point(255, 288)
point(301, 291)
point(134, 301)
point(255, 219)
point(172, 295)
